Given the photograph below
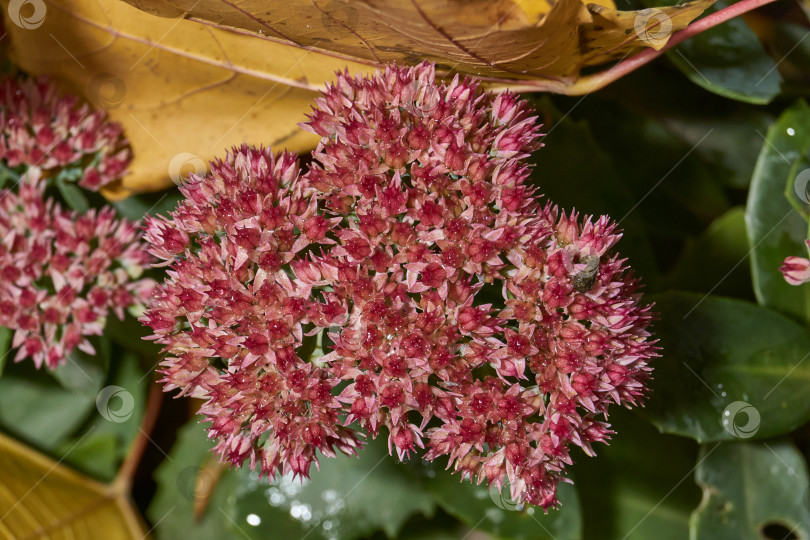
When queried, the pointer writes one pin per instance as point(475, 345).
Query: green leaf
point(591, 185)
point(716, 261)
point(730, 61)
point(82, 372)
point(640, 486)
point(138, 206)
point(730, 149)
point(36, 408)
point(172, 508)
point(797, 189)
point(73, 195)
point(751, 491)
point(5, 346)
point(673, 191)
point(727, 361)
point(787, 41)
point(129, 333)
point(775, 229)
point(94, 454)
point(7, 174)
point(105, 442)
point(493, 512)
point(347, 498)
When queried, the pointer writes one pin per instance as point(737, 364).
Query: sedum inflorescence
point(408, 280)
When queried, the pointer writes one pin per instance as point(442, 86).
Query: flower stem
point(123, 481)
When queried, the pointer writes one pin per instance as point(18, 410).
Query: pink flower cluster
point(796, 270)
point(408, 280)
point(41, 128)
point(61, 273)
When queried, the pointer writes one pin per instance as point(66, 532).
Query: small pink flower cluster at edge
point(61, 272)
point(796, 270)
point(459, 314)
point(44, 129)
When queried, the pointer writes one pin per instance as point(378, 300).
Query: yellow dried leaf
point(40, 498)
point(607, 35)
point(503, 40)
point(183, 91)
point(208, 74)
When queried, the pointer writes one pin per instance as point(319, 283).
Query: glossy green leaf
point(730, 150)
point(130, 334)
point(730, 61)
point(673, 191)
point(347, 498)
point(138, 206)
point(5, 343)
point(37, 409)
point(119, 411)
point(788, 42)
point(775, 229)
point(640, 486)
point(7, 174)
point(493, 512)
point(729, 369)
point(83, 372)
point(797, 189)
point(73, 195)
point(93, 454)
point(441, 526)
point(751, 491)
point(172, 508)
point(716, 261)
point(592, 185)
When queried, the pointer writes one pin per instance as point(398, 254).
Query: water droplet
point(276, 499)
point(329, 495)
point(791, 131)
point(254, 520)
point(327, 525)
point(723, 394)
point(302, 512)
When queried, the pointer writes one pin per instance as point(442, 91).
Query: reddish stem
point(123, 481)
